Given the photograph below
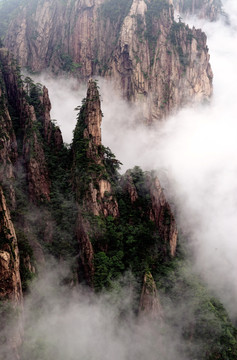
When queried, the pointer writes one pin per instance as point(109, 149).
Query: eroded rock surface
point(153, 60)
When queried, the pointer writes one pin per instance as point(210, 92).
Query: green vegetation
point(206, 322)
point(177, 34)
point(6, 238)
point(61, 211)
point(26, 260)
point(33, 94)
point(115, 11)
point(68, 64)
point(100, 164)
point(62, 206)
point(130, 242)
point(154, 10)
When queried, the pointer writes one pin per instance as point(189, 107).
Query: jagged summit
point(137, 44)
point(94, 114)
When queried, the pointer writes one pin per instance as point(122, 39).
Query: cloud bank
point(68, 324)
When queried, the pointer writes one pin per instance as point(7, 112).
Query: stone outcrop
point(91, 181)
point(129, 187)
point(153, 60)
point(205, 9)
point(159, 210)
point(98, 195)
point(95, 194)
point(10, 284)
point(26, 131)
point(9, 257)
point(30, 149)
point(150, 306)
point(8, 150)
point(162, 215)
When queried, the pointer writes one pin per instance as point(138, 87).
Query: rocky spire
point(93, 117)
point(149, 302)
point(93, 185)
point(91, 175)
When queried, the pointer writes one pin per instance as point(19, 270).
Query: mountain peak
point(93, 111)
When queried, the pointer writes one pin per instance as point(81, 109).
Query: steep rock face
point(206, 9)
point(86, 254)
point(25, 125)
point(10, 284)
point(149, 302)
point(91, 179)
point(119, 218)
point(9, 257)
point(87, 141)
point(153, 60)
point(159, 62)
point(8, 150)
point(30, 142)
point(158, 209)
point(162, 215)
point(36, 168)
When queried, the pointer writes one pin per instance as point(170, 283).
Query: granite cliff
point(38, 172)
point(205, 9)
point(153, 60)
point(11, 299)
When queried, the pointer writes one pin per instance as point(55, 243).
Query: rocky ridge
point(153, 60)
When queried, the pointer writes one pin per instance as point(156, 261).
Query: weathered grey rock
point(154, 61)
point(150, 306)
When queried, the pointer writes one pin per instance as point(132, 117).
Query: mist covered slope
point(92, 227)
point(95, 264)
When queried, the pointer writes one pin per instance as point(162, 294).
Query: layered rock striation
point(27, 137)
point(29, 111)
point(154, 61)
point(11, 299)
